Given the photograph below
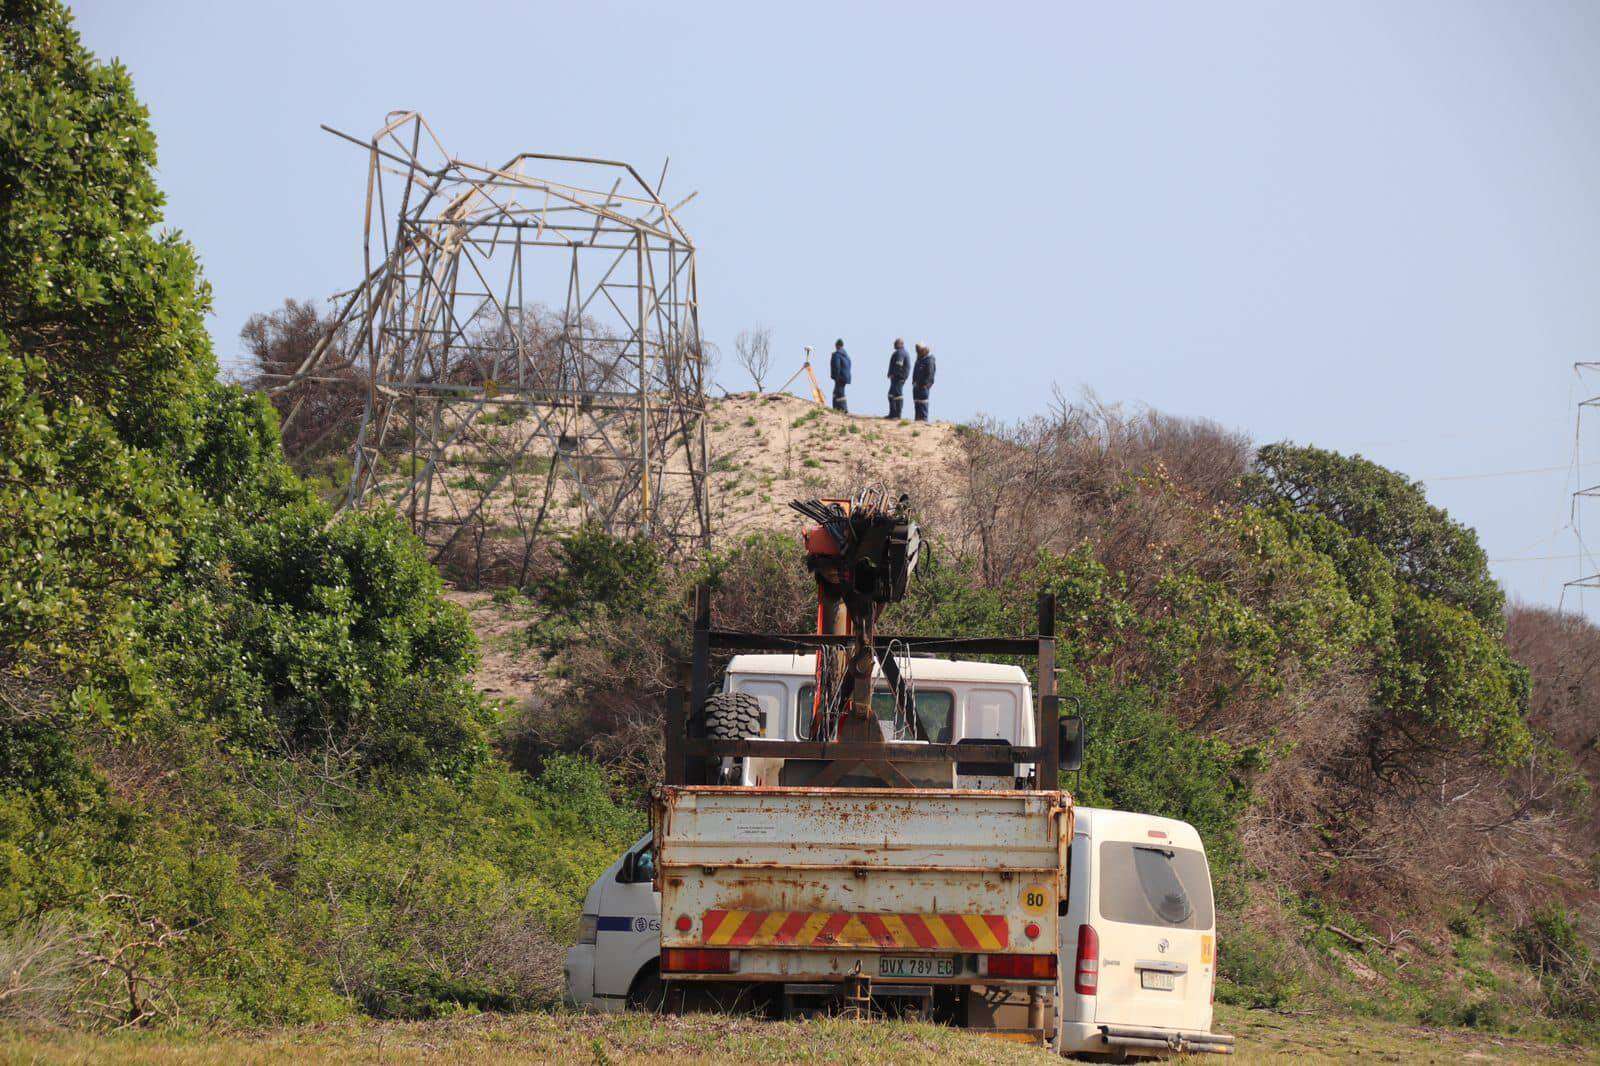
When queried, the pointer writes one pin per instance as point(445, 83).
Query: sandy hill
point(765, 451)
point(768, 450)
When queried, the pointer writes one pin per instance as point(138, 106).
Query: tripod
point(805, 368)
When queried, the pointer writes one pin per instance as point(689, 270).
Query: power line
point(1534, 558)
point(1474, 434)
point(1510, 473)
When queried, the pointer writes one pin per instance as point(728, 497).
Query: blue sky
point(1369, 226)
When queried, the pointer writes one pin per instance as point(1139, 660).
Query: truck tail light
point(1025, 967)
point(1086, 979)
point(696, 960)
point(588, 926)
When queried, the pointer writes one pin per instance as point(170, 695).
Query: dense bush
point(243, 773)
point(594, 569)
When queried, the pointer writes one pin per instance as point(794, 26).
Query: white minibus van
point(1139, 943)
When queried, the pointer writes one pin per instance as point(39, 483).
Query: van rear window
point(1145, 884)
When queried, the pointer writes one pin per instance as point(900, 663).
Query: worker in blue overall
point(922, 382)
point(899, 370)
point(839, 371)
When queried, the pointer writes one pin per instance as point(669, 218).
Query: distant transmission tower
point(529, 338)
point(1585, 437)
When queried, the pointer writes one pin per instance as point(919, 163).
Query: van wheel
point(648, 992)
point(734, 716)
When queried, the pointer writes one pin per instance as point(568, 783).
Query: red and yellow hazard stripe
point(824, 929)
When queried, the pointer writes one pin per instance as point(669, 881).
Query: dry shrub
point(41, 962)
point(481, 556)
point(327, 410)
point(501, 955)
point(1311, 721)
point(1454, 825)
point(1562, 653)
point(761, 586)
point(1048, 482)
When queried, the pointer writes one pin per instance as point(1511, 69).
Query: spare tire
point(734, 716)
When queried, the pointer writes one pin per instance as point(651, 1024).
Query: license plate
point(915, 966)
point(1155, 979)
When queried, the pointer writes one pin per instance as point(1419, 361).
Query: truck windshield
point(935, 709)
point(1149, 885)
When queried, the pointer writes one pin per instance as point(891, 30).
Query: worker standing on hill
point(839, 371)
point(922, 381)
point(899, 370)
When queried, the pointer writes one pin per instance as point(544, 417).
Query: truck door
point(628, 935)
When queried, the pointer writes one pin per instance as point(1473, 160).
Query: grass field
point(1264, 1037)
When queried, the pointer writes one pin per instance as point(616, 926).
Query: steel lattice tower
point(1583, 498)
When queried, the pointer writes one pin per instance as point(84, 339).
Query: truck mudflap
point(1113, 1037)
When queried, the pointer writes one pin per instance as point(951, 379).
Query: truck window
point(1144, 884)
point(991, 714)
point(771, 695)
point(935, 710)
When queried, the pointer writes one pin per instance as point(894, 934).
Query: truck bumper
point(1090, 1037)
point(578, 977)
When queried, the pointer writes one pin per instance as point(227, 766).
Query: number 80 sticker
point(1036, 898)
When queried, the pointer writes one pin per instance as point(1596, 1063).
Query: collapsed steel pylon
point(531, 346)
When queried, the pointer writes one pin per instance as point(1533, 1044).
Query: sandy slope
point(765, 451)
point(768, 450)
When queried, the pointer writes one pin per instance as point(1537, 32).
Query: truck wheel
point(734, 716)
point(649, 992)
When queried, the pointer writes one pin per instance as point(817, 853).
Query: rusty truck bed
point(809, 883)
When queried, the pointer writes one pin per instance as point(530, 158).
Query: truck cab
point(954, 701)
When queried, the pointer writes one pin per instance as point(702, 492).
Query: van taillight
point(1023, 967)
point(696, 960)
point(1086, 981)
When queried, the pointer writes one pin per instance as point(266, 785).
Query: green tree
point(1434, 624)
point(1438, 556)
point(159, 559)
point(115, 310)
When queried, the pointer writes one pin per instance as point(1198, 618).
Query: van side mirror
point(1074, 734)
point(638, 866)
